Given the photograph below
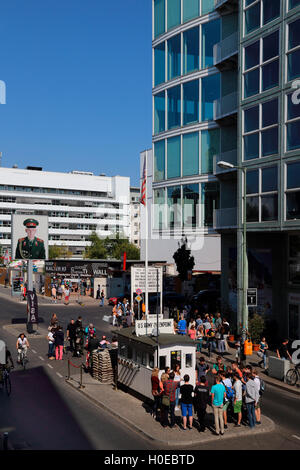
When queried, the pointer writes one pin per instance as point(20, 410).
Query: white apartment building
point(76, 203)
point(135, 219)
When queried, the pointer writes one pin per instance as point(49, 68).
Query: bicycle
point(23, 358)
point(6, 380)
point(293, 375)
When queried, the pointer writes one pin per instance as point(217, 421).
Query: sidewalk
point(137, 416)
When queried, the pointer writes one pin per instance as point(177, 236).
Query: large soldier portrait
point(30, 247)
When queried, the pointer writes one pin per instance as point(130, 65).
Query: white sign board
point(138, 279)
point(146, 327)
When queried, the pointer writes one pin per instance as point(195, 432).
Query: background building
point(135, 221)
point(267, 48)
point(76, 203)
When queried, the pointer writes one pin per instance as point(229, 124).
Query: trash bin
point(248, 347)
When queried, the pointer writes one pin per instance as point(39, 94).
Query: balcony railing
point(229, 157)
point(225, 218)
point(226, 49)
point(225, 106)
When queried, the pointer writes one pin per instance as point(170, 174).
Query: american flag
point(143, 189)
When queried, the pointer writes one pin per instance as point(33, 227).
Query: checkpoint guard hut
point(140, 350)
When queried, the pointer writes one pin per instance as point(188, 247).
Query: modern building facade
point(135, 221)
point(267, 152)
point(76, 203)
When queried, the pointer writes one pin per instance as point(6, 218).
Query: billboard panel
point(29, 236)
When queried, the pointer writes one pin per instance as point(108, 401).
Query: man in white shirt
point(257, 407)
point(238, 398)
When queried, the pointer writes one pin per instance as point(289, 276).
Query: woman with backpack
point(229, 395)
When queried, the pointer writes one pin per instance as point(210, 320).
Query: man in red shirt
point(170, 393)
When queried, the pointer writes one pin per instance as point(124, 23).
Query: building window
point(173, 157)
point(293, 52)
point(190, 154)
point(159, 17)
point(294, 259)
point(174, 13)
point(159, 160)
point(190, 50)
point(207, 6)
point(174, 57)
point(293, 3)
point(159, 64)
point(190, 201)
point(191, 102)
point(261, 130)
point(159, 112)
point(292, 124)
point(174, 206)
point(262, 195)
point(293, 191)
point(159, 208)
point(174, 107)
point(210, 93)
point(210, 202)
point(190, 9)
point(260, 12)
point(210, 36)
point(210, 146)
point(261, 65)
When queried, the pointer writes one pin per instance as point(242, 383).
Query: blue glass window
point(294, 3)
point(210, 36)
point(173, 157)
point(269, 179)
point(210, 201)
point(252, 182)
point(252, 209)
point(190, 154)
point(294, 65)
point(269, 207)
point(271, 10)
point(271, 46)
point(210, 93)
point(159, 64)
point(174, 54)
point(159, 160)
point(270, 75)
point(251, 119)
point(293, 135)
point(174, 107)
point(252, 55)
point(174, 13)
point(270, 113)
point(252, 18)
point(251, 83)
point(293, 175)
point(159, 17)
point(190, 50)
point(159, 208)
point(210, 146)
point(190, 201)
point(251, 146)
point(190, 9)
point(159, 112)
point(207, 6)
point(191, 102)
point(174, 206)
point(269, 141)
point(293, 108)
point(294, 34)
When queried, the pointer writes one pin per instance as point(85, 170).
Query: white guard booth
point(140, 350)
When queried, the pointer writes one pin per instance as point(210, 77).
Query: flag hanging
point(143, 189)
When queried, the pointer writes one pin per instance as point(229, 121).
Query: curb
point(245, 432)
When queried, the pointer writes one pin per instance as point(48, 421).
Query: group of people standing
point(60, 291)
point(122, 316)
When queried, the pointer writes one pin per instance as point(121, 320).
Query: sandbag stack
point(101, 366)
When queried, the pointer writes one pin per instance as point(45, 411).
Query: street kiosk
point(140, 350)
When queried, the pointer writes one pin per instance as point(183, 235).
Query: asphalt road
point(43, 412)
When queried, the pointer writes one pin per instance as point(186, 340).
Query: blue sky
point(78, 82)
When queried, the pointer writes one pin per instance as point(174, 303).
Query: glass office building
point(268, 151)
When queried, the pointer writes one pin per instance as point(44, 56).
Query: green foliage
point(183, 259)
point(97, 249)
point(111, 248)
point(256, 327)
point(59, 252)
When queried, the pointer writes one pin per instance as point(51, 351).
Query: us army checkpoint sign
point(29, 236)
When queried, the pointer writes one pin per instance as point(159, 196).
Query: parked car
point(115, 300)
point(206, 301)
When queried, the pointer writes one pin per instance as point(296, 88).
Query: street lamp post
point(228, 166)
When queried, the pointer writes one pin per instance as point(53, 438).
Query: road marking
point(297, 437)
point(51, 367)
point(34, 351)
point(59, 375)
point(41, 358)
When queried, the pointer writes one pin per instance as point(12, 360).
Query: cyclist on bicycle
point(22, 344)
point(7, 366)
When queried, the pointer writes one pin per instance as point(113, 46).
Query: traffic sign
point(138, 291)
point(138, 298)
point(252, 297)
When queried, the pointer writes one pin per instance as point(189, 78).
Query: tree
point(97, 249)
point(59, 252)
point(183, 259)
point(112, 248)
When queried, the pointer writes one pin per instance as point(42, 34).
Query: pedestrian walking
point(251, 399)
point(59, 343)
point(283, 350)
point(67, 295)
point(79, 341)
point(218, 393)
point(262, 352)
point(51, 344)
point(98, 292)
point(102, 298)
point(156, 393)
point(53, 293)
point(201, 400)
point(187, 393)
point(71, 334)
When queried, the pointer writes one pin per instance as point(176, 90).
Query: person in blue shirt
point(218, 395)
point(181, 327)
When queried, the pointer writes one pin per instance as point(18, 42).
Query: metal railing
point(226, 105)
point(226, 48)
point(225, 218)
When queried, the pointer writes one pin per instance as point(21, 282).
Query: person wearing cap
point(30, 247)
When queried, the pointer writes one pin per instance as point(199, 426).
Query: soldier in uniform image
point(30, 247)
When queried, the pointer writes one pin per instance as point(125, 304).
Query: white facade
point(203, 241)
point(135, 221)
point(76, 203)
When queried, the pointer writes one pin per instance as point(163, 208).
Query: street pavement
point(43, 387)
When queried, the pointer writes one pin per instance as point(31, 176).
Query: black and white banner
point(32, 307)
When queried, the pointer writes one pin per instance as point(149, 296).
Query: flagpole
point(146, 241)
